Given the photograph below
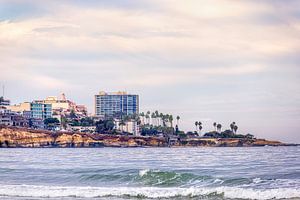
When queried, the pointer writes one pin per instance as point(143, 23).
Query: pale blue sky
point(207, 60)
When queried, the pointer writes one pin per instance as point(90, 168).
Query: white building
point(129, 127)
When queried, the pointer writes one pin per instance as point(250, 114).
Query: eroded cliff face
point(227, 142)
point(22, 137)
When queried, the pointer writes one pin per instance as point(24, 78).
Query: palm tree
point(143, 115)
point(161, 116)
point(235, 128)
point(64, 122)
point(171, 120)
point(147, 118)
point(157, 117)
point(177, 118)
point(196, 124)
point(215, 125)
point(126, 120)
point(232, 126)
point(153, 116)
point(219, 127)
point(200, 126)
point(166, 118)
point(121, 124)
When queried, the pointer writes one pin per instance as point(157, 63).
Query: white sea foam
point(148, 192)
point(257, 180)
point(143, 172)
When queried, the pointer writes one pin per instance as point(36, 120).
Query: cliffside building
point(37, 110)
point(62, 106)
point(4, 102)
point(116, 104)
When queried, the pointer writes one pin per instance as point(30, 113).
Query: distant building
point(36, 123)
point(63, 106)
point(130, 126)
point(19, 120)
point(4, 102)
point(41, 110)
point(5, 116)
point(34, 109)
point(115, 104)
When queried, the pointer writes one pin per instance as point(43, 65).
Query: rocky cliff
point(23, 137)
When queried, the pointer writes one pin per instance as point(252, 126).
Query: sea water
point(150, 173)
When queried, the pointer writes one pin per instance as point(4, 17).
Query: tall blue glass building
point(115, 104)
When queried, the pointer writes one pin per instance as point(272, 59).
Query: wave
point(149, 177)
point(145, 192)
point(158, 178)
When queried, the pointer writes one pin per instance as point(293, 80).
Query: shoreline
point(14, 137)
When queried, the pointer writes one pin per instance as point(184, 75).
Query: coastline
point(13, 137)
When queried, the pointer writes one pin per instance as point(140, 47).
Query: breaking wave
point(145, 192)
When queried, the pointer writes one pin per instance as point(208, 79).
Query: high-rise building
point(116, 104)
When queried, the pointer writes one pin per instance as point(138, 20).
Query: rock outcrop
point(23, 137)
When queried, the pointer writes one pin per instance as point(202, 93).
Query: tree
point(126, 120)
point(176, 129)
point(219, 127)
point(177, 118)
point(196, 124)
point(147, 119)
point(200, 126)
point(235, 128)
point(86, 121)
point(51, 121)
point(215, 125)
point(148, 114)
point(72, 114)
point(153, 116)
point(143, 117)
point(232, 126)
point(166, 119)
point(161, 116)
point(105, 126)
point(63, 122)
point(157, 117)
point(121, 124)
point(171, 120)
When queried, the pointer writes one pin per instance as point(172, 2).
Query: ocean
point(150, 173)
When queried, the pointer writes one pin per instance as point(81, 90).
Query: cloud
point(212, 56)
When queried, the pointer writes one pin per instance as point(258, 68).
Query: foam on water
point(146, 192)
point(143, 172)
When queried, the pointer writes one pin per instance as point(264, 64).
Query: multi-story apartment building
point(4, 102)
point(41, 110)
point(61, 105)
point(116, 104)
point(34, 109)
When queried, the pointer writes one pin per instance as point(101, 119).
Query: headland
point(13, 137)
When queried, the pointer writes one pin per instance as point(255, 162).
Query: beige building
point(20, 107)
point(62, 105)
point(56, 102)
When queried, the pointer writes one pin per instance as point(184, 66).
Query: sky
point(204, 60)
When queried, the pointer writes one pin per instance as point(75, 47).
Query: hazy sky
point(207, 60)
